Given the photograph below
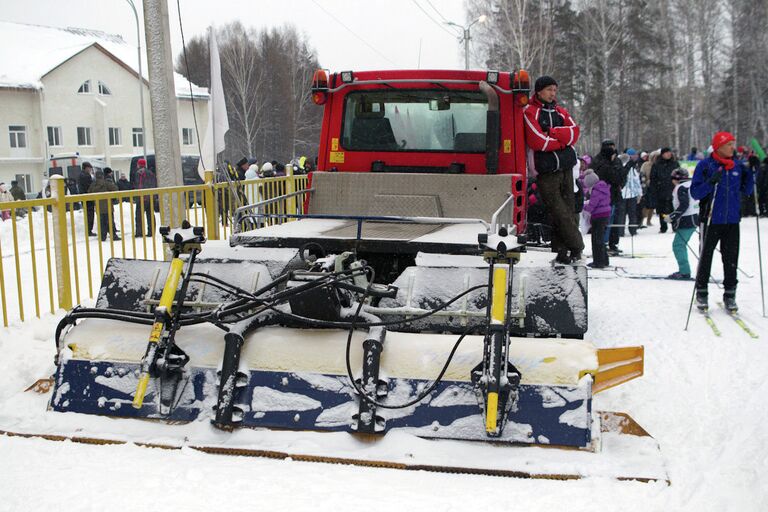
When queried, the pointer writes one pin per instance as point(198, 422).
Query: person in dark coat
point(241, 167)
point(71, 187)
point(719, 182)
point(762, 188)
point(609, 169)
point(17, 192)
point(661, 183)
point(550, 133)
point(122, 185)
point(84, 182)
point(537, 224)
point(102, 184)
point(748, 206)
point(145, 179)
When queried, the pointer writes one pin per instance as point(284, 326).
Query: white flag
point(218, 124)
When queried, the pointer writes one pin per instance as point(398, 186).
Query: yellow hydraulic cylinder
point(498, 309)
point(499, 297)
point(166, 301)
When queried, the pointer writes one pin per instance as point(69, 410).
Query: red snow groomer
point(391, 302)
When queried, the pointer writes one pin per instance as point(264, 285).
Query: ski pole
point(759, 252)
point(746, 274)
point(704, 233)
point(711, 279)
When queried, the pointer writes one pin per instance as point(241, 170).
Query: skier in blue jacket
point(719, 182)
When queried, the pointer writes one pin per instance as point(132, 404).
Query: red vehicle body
point(425, 121)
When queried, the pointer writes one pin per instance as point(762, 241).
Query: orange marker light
point(319, 98)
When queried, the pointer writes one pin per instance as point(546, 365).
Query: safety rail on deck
point(267, 212)
point(504, 216)
point(52, 233)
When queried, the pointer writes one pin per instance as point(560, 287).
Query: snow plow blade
point(625, 452)
point(296, 379)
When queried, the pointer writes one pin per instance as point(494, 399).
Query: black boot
point(562, 257)
point(729, 301)
point(576, 257)
point(702, 300)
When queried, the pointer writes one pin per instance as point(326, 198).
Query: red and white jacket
point(536, 115)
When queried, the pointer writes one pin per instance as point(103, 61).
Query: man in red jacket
point(550, 134)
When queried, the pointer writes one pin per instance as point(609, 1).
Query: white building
point(67, 91)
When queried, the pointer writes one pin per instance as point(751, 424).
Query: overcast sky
point(347, 34)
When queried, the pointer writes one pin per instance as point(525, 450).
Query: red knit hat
point(141, 163)
point(721, 138)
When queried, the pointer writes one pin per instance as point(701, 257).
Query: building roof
point(29, 52)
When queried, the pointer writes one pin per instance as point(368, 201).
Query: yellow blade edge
point(617, 366)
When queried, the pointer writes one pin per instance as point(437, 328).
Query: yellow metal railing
point(49, 257)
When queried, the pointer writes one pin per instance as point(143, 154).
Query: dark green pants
point(556, 191)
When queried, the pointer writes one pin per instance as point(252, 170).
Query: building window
point(114, 137)
point(103, 89)
point(83, 136)
point(54, 136)
point(18, 135)
point(25, 182)
point(138, 138)
point(187, 136)
point(85, 88)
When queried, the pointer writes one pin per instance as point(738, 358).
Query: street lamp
point(141, 78)
point(479, 19)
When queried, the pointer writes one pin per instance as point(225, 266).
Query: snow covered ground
point(702, 398)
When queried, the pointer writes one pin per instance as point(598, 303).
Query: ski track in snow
point(702, 398)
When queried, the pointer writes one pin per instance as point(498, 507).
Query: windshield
point(397, 120)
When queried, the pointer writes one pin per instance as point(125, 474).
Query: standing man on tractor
point(719, 181)
point(550, 134)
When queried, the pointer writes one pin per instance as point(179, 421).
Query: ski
point(741, 323)
point(652, 276)
point(711, 323)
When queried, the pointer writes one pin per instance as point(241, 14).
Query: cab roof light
point(347, 77)
point(492, 77)
point(522, 81)
point(320, 80)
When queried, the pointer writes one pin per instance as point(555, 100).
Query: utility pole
point(162, 96)
point(465, 30)
point(162, 93)
point(466, 48)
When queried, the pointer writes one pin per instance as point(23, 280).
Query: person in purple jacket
point(599, 208)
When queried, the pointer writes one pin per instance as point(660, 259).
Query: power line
point(366, 43)
point(437, 11)
point(442, 26)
